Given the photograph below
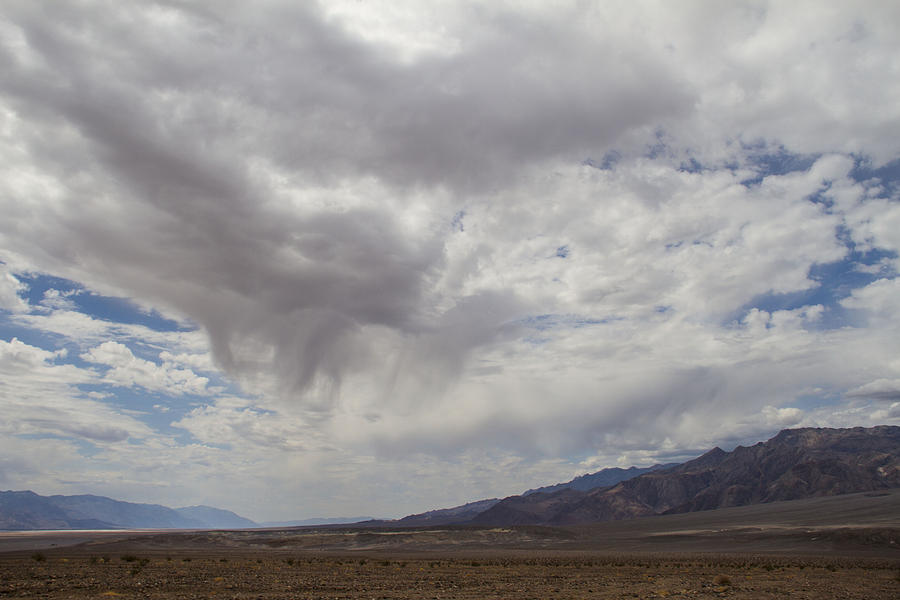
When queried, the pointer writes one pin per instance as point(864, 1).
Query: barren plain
point(838, 547)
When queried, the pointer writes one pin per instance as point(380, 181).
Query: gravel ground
point(55, 575)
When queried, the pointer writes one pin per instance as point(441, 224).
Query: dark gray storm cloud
point(165, 125)
point(169, 91)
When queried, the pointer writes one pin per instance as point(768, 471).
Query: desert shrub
point(38, 557)
point(289, 561)
point(129, 557)
point(722, 580)
point(186, 559)
point(223, 559)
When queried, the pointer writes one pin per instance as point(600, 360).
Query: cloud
point(125, 369)
point(42, 398)
point(880, 389)
point(86, 330)
point(226, 425)
point(57, 300)
point(748, 81)
point(313, 240)
point(362, 210)
point(879, 300)
point(10, 287)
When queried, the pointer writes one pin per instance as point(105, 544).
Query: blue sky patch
point(888, 175)
point(606, 163)
point(836, 281)
point(554, 321)
point(457, 222)
point(781, 162)
point(106, 308)
point(692, 165)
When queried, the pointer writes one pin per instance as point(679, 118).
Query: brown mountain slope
point(443, 516)
point(798, 463)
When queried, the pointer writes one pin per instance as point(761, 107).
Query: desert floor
point(66, 574)
point(841, 547)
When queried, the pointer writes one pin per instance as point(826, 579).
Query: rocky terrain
point(795, 464)
point(602, 478)
point(446, 516)
point(531, 576)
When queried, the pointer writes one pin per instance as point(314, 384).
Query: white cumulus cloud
point(126, 369)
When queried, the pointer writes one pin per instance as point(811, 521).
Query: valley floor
point(838, 547)
point(58, 574)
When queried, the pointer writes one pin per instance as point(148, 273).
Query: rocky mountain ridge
point(795, 464)
point(470, 510)
point(602, 478)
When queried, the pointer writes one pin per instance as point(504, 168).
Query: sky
point(299, 259)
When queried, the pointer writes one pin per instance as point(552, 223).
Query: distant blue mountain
point(26, 510)
point(216, 518)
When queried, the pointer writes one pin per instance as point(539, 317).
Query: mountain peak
point(602, 478)
point(795, 464)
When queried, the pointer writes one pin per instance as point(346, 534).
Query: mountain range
point(471, 510)
point(795, 464)
point(27, 510)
